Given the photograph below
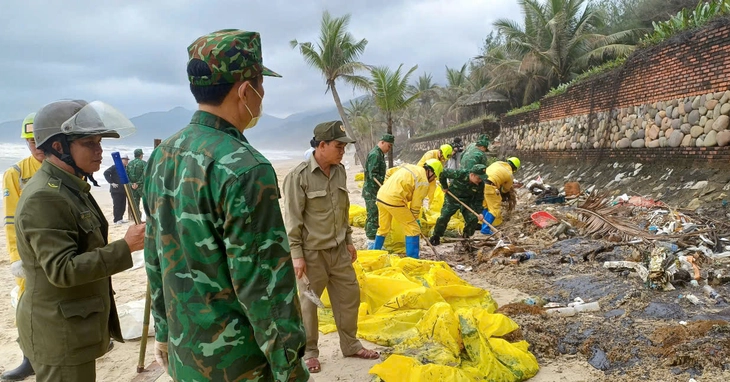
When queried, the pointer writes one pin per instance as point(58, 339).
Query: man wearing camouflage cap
point(468, 186)
point(375, 170)
point(317, 207)
point(135, 172)
point(224, 295)
point(475, 153)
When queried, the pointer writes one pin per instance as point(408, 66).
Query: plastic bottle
point(562, 312)
point(693, 299)
point(587, 307)
point(712, 293)
point(670, 246)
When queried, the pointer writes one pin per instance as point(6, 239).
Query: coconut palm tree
point(390, 94)
point(360, 114)
point(559, 39)
point(336, 55)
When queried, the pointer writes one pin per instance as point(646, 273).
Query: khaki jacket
point(67, 313)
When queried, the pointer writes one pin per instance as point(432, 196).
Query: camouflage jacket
point(224, 296)
point(461, 187)
point(374, 168)
point(471, 156)
point(135, 170)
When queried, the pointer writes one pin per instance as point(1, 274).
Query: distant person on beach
point(135, 172)
point(224, 295)
point(374, 177)
point(67, 313)
point(317, 207)
point(453, 162)
point(119, 197)
point(14, 180)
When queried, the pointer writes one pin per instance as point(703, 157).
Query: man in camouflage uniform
point(135, 173)
point(224, 295)
point(468, 186)
point(374, 169)
point(475, 153)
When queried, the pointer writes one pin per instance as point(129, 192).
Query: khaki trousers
point(86, 372)
point(331, 268)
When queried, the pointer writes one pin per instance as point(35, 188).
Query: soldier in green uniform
point(375, 169)
point(468, 186)
point(135, 172)
point(224, 295)
point(475, 153)
point(67, 313)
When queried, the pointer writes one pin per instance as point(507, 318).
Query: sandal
point(313, 365)
point(366, 354)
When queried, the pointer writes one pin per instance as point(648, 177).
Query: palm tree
point(561, 36)
point(360, 114)
point(426, 87)
point(336, 56)
point(390, 93)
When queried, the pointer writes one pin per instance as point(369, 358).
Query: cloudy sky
point(132, 54)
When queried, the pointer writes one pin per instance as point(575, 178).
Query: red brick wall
point(689, 64)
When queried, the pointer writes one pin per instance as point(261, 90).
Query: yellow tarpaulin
point(440, 327)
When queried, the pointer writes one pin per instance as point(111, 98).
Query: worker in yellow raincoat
point(443, 154)
point(499, 180)
point(14, 181)
point(401, 197)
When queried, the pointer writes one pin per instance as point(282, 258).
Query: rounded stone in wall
point(699, 143)
point(658, 119)
point(686, 128)
point(723, 138)
point(711, 103)
point(637, 143)
point(653, 144)
point(725, 109)
point(675, 139)
point(675, 112)
point(718, 95)
point(668, 132)
point(703, 121)
point(623, 143)
point(694, 117)
point(662, 141)
point(703, 110)
point(653, 132)
point(669, 110)
point(708, 126)
point(696, 131)
point(711, 139)
point(717, 111)
point(696, 102)
point(721, 123)
point(640, 134)
point(675, 124)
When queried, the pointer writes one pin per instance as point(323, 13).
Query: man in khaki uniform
point(317, 209)
point(67, 313)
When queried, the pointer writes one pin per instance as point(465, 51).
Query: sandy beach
point(120, 363)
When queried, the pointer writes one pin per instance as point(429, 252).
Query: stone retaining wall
point(675, 94)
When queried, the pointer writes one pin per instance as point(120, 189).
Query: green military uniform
point(135, 173)
point(317, 213)
point(468, 192)
point(67, 313)
point(374, 169)
point(224, 295)
point(472, 155)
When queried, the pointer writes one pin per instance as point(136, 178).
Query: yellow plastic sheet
point(440, 327)
point(360, 176)
point(358, 216)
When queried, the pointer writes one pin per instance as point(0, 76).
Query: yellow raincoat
point(401, 197)
point(431, 154)
point(500, 174)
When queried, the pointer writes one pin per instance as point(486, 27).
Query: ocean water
point(10, 153)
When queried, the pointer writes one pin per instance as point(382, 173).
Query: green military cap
point(483, 141)
point(232, 55)
point(331, 131)
point(388, 138)
point(138, 153)
point(479, 169)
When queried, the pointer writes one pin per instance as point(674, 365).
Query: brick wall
point(691, 63)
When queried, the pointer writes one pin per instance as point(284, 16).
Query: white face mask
point(255, 119)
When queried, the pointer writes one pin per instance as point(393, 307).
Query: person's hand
point(134, 186)
point(353, 252)
point(300, 267)
point(481, 219)
point(114, 185)
point(445, 189)
point(135, 237)
point(161, 354)
point(16, 268)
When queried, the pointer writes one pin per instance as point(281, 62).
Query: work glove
point(16, 268)
point(114, 185)
point(161, 355)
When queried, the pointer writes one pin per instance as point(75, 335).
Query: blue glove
point(488, 218)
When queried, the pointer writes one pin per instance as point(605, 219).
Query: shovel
point(309, 293)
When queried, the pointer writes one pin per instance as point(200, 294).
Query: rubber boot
point(489, 218)
point(434, 240)
point(412, 248)
point(379, 241)
point(370, 244)
point(20, 373)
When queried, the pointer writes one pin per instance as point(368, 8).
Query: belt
point(389, 205)
point(489, 182)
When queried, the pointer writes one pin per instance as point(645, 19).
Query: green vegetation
point(687, 19)
point(533, 106)
point(470, 123)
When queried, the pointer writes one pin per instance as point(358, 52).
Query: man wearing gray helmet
point(67, 313)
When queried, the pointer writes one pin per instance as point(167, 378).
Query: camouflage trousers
point(471, 223)
point(371, 224)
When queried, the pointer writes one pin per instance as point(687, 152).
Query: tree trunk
point(346, 122)
point(390, 131)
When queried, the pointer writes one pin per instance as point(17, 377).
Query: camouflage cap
point(138, 153)
point(388, 138)
point(331, 131)
point(483, 141)
point(479, 169)
point(232, 55)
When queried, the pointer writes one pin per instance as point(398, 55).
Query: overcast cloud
point(132, 54)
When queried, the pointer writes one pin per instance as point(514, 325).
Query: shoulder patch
point(54, 183)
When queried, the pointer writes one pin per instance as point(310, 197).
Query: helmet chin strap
point(69, 160)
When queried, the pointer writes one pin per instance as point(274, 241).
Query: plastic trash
point(587, 307)
point(521, 257)
point(692, 298)
point(712, 293)
point(562, 312)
